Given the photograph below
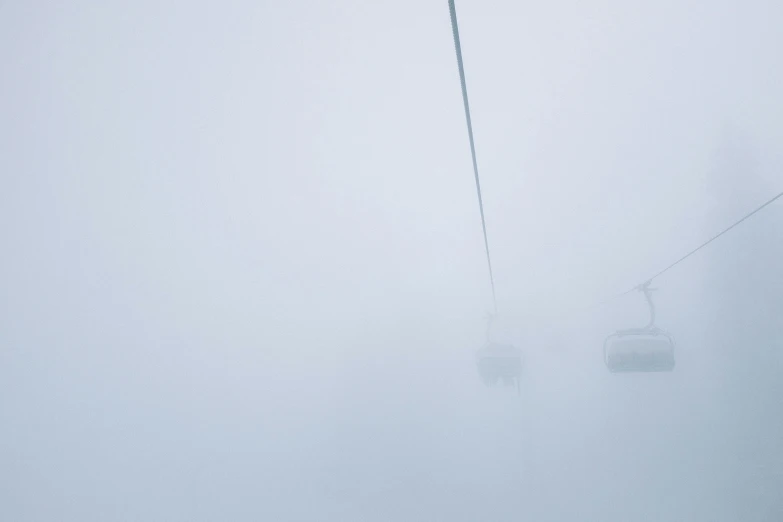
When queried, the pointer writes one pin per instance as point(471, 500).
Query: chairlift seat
point(499, 362)
point(639, 350)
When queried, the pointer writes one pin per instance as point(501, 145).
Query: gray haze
point(242, 274)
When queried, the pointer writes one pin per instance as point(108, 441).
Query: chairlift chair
point(648, 349)
point(498, 362)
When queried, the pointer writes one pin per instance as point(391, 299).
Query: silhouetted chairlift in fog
point(647, 349)
point(499, 363)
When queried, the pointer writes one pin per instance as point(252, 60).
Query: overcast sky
point(243, 276)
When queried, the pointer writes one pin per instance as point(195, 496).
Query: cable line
point(710, 240)
point(458, 49)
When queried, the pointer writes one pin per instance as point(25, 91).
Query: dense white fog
point(242, 273)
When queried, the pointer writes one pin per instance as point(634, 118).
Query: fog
point(243, 276)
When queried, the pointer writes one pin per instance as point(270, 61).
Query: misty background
point(242, 274)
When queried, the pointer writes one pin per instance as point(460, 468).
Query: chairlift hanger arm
point(490, 320)
point(647, 291)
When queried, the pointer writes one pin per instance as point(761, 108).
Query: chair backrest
point(499, 361)
point(639, 351)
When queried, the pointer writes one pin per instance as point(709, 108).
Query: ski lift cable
point(642, 286)
point(458, 49)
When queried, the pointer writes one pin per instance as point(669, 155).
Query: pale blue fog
point(243, 275)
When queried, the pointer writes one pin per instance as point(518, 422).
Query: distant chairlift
point(499, 363)
point(648, 349)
